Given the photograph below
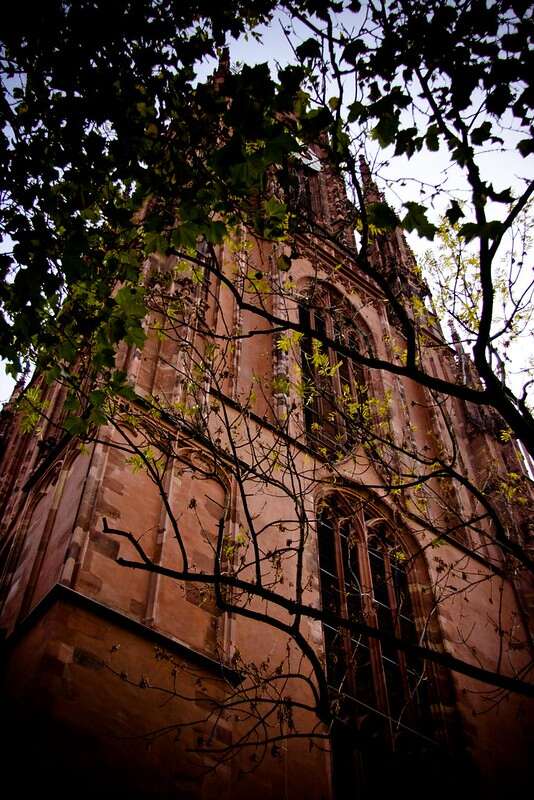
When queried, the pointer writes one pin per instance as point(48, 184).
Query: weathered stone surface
point(97, 709)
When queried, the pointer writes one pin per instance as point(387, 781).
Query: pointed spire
point(370, 189)
point(461, 355)
point(223, 68)
point(391, 252)
point(19, 387)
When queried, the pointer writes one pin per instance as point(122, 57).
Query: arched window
point(335, 390)
point(382, 695)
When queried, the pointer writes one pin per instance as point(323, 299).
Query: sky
point(6, 384)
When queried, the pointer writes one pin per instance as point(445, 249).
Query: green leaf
point(471, 230)
point(135, 335)
point(356, 111)
point(281, 384)
point(454, 212)
point(526, 147)
point(97, 398)
point(481, 134)
point(386, 130)
point(316, 121)
point(215, 231)
point(352, 50)
point(76, 426)
point(97, 416)
point(431, 138)
point(283, 263)
point(407, 142)
point(381, 216)
point(309, 49)
point(131, 301)
point(185, 236)
point(416, 219)
point(505, 196)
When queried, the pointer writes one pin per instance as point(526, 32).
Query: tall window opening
point(307, 196)
point(335, 391)
point(382, 695)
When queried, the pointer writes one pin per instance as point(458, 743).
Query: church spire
point(390, 250)
point(370, 189)
point(223, 67)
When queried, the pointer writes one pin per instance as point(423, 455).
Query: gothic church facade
point(138, 660)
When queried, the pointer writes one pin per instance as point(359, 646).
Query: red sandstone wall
point(67, 666)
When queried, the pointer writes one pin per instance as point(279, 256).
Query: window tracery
point(381, 694)
point(335, 390)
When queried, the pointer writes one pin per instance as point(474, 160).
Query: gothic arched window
point(335, 390)
point(382, 695)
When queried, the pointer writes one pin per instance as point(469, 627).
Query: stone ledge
point(63, 594)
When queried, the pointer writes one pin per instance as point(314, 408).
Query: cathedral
point(278, 566)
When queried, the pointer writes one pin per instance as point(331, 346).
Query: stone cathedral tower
point(263, 456)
